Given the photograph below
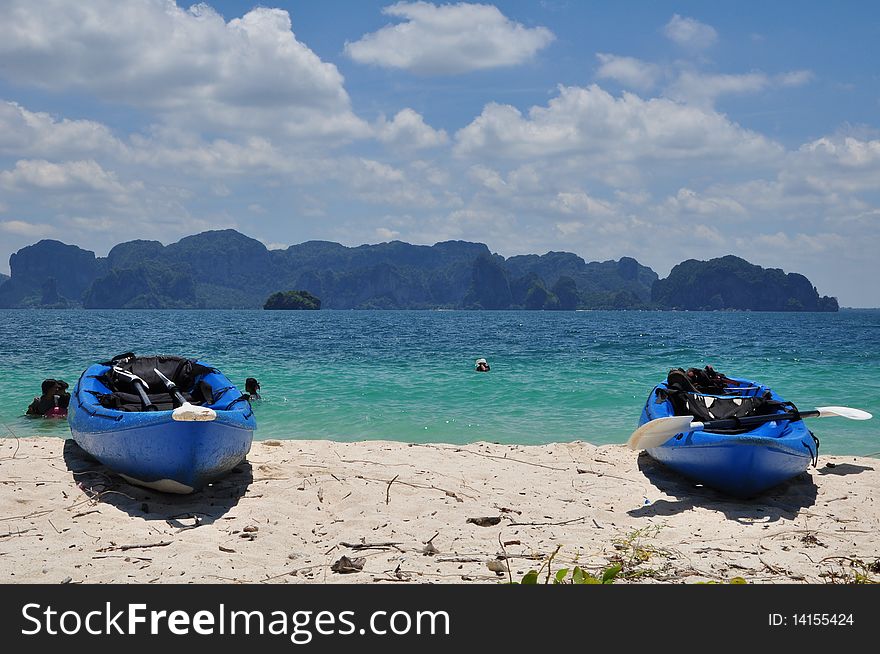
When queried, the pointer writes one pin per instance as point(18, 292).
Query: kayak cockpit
point(116, 386)
point(706, 395)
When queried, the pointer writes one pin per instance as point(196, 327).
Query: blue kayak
point(739, 462)
point(146, 434)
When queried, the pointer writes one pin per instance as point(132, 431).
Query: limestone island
point(293, 300)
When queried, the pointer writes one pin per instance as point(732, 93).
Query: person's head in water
point(252, 387)
point(52, 387)
point(481, 365)
point(53, 400)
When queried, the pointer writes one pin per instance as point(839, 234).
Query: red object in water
point(57, 412)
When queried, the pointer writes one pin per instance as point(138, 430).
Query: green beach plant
point(851, 571)
point(633, 552)
point(576, 575)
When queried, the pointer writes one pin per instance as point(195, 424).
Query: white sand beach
point(415, 514)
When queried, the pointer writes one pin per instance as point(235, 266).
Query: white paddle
point(185, 412)
point(656, 432)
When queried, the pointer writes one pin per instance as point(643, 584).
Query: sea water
point(409, 375)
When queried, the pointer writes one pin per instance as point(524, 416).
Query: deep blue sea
point(409, 375)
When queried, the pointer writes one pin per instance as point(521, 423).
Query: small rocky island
point(293, 300)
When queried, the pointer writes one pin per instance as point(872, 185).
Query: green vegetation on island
point(225, 269)
point(733, 283)
point(293, 300)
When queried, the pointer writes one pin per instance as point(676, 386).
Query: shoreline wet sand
point(429, 513)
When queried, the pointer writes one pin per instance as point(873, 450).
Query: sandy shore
point(412, 512)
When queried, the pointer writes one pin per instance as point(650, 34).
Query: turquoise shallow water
point(408, 375)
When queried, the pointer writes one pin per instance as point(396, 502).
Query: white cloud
point(703, 89)
point(795, 78)
point(183, 150)
point(488, 178)
point(37, 134)
point(629, 71)
point(71, 175)
point(844, 164)
point(408, 131)
point(448, 39)
point(581, 203)
point(687, 201)
point(607, 129)
point(800, 243)
point(570, 228)
point(250, 74)
point(637, 198)
point(22, 228)
point(386, 234)
point(690, 33)
point(847, 152)
point(378, 183)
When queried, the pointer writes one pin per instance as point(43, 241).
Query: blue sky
point(658, 130)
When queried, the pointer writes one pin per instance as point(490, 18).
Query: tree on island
point(295, 300)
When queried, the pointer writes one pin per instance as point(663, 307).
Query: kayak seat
point(185, 373)
point(708, 395)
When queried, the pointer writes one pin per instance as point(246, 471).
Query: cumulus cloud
point(22, 228)
point(604, 128)
point(216, 158)
point(704, 89)
point(801, 243)
point(84, 195)
point(580, 203)
point(34, 134)
point(190, 65)
point(569, 228)
point(687, 201)
point(378, 183)
point(629, 71)
point(837, 163)
point(70, 175)
point(488, 178)
point(846, 152)
point(448, 39)
point(690, 33)
point(408, 131)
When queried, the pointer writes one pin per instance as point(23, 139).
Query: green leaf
point(738, 580)
point(560, 576)
point(577, 577)
point(531, 577)
point(611, 573)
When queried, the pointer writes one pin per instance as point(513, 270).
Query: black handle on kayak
point(172, 388)
point(751, 421)
point(139, 385)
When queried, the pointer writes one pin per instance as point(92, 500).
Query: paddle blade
point(191, 413)
point(656, 432)
point(843, 412)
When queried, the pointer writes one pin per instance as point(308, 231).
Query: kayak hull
point(741, 465)
point(152, 448)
